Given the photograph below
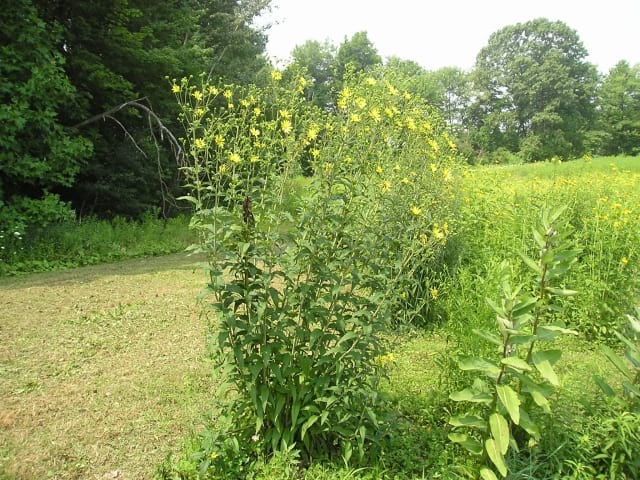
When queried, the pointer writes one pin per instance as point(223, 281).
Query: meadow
point(394, 315)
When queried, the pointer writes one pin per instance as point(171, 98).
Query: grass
point(101, 369)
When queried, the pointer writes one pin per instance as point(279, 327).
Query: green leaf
point(543, 363)
point(487, 474)
point(562, 292)
point(517, 363)
point(510, 401)
point(495, 456)
point(500, 431)
point(487, 367)
point(528, 425)
point(468, 395)
point(531, 264)
point(470, 444)
point(491, 337)
point(604, 386)
point(307, 424)
point(552, 356)
point(473, 421)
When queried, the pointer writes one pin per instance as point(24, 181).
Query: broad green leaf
point(524, 305)
point(495, 456)
point(487, 474)
point(491, 337)
point(531, 264)
point(468, 395)
point(604, 386)
point(473, 421)
point(517, 363)
point(551, 356)
point(487, 367)
point(500, 431)
point(558, 329)
point(562, 292)
point(529, 426)
point(470, 444)
point(510, 401)
point(307, 424)
point(547, 372)
point(521, 339)
point(540, 400)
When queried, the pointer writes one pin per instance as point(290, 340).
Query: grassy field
point(101, 369)
point(104, 372)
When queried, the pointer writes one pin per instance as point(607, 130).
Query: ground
point(102, 369)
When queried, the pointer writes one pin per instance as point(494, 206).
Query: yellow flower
point(624, 260)
point(315, 153)
point(175, 88)
point(244, 103)
point(213, 91)
point(411, 123)
point(370, 81)
point(285, 114)
point(235, 158)
point(417, 211)
point(199, 143)
point(434, 293)
point(434, 145)
point(437, 233)
point(313, 131)
point(328, 167)
point(197, 94)
point(230, 106)
point(386, 186)
point(254, 158)
point(446, 175)
point(286, 127)
point(254, 132)
point(354, 117)
point(374, 113)
point(433, 167)
point(388, 112)
point(423, 239)
point(405, 180)
point(198, 112)
point(213, 455)
point(222, 168)
point(228, 94)
point(616, 224)
point(361, 102)
point(219, 140)
point(378, 169)
point(276, 75)
point(406, 95)
point(348, 159)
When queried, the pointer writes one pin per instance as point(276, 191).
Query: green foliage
point(66, 243)
point(618, 121)
point(523, 376)
point(356, 54)
point(629, 366)
point(299, 310)
point(534, 91)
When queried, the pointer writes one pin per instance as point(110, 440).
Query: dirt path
point(101, 369)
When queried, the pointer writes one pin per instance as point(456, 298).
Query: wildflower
point(254, 158)
point(446, 175)
point(434, 145)
point(434, 293)
point(222, 169)
point(386, 186)
point(255, 438)
point(405, 180)
point(197, 94)
point(411, 123)
point(436, 232)
point(370, 81)
point(199, 143)
point(328, 167)
point(423, 239)
point(254, 132)
point(417, 211)
point(230, 106)
point(313, 131)
point(348, 159)
point(286, 127)
point(235, 158)
point(433, 167)
point(198, 112)
point(285, 114)
point(315, 153)
point(354, 117)
point(302, 83)
point(213, 91)
point(175, 88)
point(228, 94)
point(276, 75)
point(624, 260)
point(213, 455)
point(244, 103)
point(389, 112)
point(378, 169)
point(374, 113)
point(616, 224)
point(361, 102)
point(406, 95)
point(219, 140)
point(257, 111)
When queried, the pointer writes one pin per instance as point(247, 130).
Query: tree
point(357, 54)
point(619, 110)
point(38, 152)
point(535, 90)
point(318, 59)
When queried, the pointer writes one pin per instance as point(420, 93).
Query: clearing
point(102, 369)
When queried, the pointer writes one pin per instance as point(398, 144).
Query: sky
point(451, 33)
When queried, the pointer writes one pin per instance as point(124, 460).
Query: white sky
point(451, 33)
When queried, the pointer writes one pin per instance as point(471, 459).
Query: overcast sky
point(451, 32)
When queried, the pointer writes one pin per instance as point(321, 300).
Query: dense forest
point(87, 111)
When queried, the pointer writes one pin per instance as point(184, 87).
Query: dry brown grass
point(101, 369)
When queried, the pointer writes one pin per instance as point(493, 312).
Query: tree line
point(86, 98)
